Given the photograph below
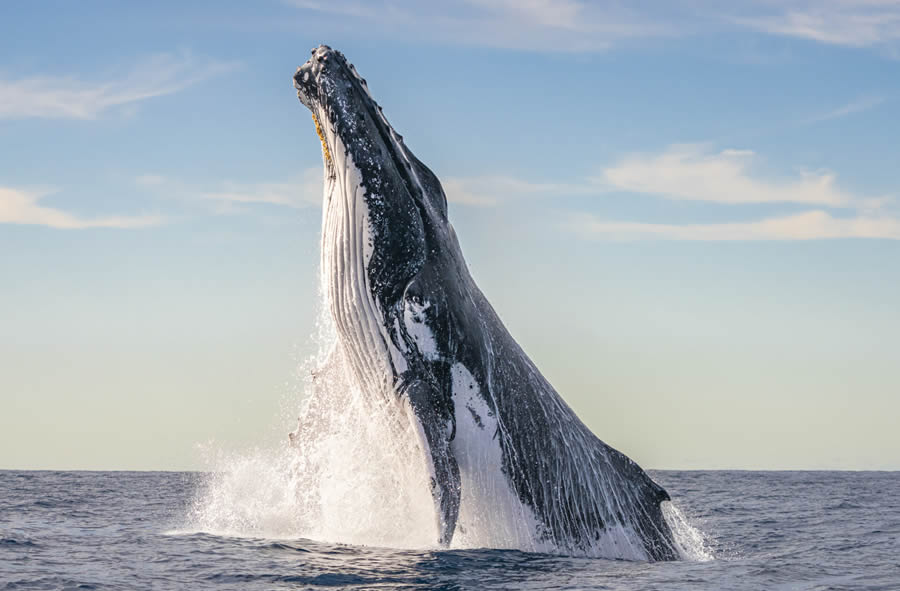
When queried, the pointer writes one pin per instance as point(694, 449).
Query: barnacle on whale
point(321, 137)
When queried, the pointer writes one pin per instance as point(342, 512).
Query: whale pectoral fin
point(437, 430)
point(445, 489)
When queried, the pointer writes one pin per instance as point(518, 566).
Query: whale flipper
point(437, 423)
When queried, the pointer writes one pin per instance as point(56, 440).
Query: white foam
point(354, 474)
point(691, 542)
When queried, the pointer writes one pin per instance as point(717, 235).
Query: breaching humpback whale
point(414, 326)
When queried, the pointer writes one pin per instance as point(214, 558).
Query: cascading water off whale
point(421, 344)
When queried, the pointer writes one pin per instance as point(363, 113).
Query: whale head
point(405, 204)
point(385, 212)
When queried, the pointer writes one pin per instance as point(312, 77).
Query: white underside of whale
point(491, 514)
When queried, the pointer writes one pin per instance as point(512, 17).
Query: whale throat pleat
point(344, 260)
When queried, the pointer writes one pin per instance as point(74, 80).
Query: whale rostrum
point(414, 328)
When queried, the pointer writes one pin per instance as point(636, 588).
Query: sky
point(687, 213)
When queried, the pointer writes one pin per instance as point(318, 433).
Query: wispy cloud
point(304, 191)
point(493, 189)
point(809, 225)
point(23, 207)
point(689, 172)
point(582, 25)
point(67, 97)
point(857, 106)
point(151, 180)
point(854, 23)
point(535, 25)
point(693, 172)
point(230, 197)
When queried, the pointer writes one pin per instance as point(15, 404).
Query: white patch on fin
point(414, 318)
point(490, 514)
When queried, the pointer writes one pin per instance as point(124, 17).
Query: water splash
point(692, 543)
point(353, 472)
point(350, 473)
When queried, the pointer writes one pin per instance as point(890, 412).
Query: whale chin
point(420, 338)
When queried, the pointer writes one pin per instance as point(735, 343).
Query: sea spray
point(692, 543)
point(353, 472)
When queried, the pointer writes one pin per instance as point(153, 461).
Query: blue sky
point(687, 213)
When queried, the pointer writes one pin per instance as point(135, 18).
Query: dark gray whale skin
point(575, 484)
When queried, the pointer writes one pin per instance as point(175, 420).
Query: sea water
point(138, 530)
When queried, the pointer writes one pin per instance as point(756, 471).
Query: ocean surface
point(766, 530)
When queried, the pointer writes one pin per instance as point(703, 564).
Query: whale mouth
point(307, 81)
point(348, 120)
point(303, 84)
point(302, 89)
point(306, 77)
point(343, 110)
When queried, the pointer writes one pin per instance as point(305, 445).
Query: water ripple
point(769, 530)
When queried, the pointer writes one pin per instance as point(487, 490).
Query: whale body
point(415, 329)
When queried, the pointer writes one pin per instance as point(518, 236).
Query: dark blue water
point(768, 530)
